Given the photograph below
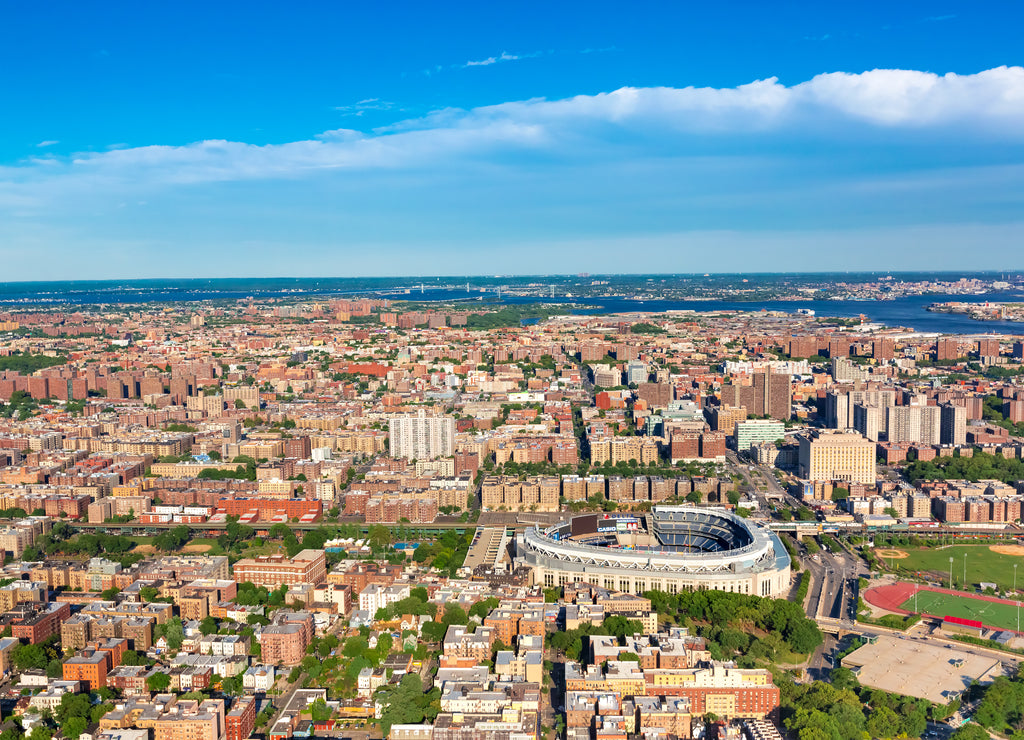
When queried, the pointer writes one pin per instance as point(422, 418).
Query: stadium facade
point(672, 549)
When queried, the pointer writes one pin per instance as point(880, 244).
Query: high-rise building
point(839, 405)
point(954, 424)
point(947, 348)
point(838, 347)
point(1013, 410)
point(869, 420)
point(883, 349)
point(636, 372)
point(803, 346)
point(845, 370)
point(421, 437)
point(725, 418)
point(773, 395)
point(755, 431)
point(770, 394)
point(988, 348)
point(917, 424)
point(842, 456)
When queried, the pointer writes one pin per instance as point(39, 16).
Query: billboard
point(586, 524)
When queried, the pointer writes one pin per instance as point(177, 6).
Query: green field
point(947, 605)
point(983, 565)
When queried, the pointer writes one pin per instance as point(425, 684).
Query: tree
point(131, 657)
point(208, 625)
point(379, 536)
point(482, 608)
point(148, 593)
point(232, 685)
point(407, 703)
point(804, 636)
point(28, 657)
point(884, 723)
point(158, 682)
point(72, 727)
point(970, 731)
point(172, 630)
point(455, 614)
point(320, 711)
point(842, 678)
point(72, 705)
point(279, 531)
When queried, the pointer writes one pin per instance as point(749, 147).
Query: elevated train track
point(799, 528)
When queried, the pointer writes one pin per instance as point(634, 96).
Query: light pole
point(965, 571)
point(951, 573)
point(1015, 578)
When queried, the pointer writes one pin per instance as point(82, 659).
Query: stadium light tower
point(965, 570)
point(951, 573)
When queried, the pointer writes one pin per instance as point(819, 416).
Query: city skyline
point(347, 143)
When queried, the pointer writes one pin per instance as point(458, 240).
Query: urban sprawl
point(366, 518)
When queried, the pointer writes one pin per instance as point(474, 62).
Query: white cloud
point(987, 106)
point(894, 97)
point(504, 57)
point(369, 104)
point(48, 142)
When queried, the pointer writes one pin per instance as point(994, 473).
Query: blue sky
point(251, 139)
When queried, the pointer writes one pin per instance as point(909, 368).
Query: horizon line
point(490, 276)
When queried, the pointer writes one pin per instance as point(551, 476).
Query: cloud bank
point(827, 153)
point(872, 104)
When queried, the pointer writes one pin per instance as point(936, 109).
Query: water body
point(908, 311)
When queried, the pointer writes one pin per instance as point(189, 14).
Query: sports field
point(989, 613)
point(985, 563)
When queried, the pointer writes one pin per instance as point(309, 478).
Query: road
point(832, 596)
point(919, 632)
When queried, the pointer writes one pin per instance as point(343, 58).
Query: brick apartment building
point(241, 719)
point(285, 641)
point(272, 571)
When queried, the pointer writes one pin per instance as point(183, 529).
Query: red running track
point(892, 596)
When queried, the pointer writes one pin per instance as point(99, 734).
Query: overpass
point(802, 528)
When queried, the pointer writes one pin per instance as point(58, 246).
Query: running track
point(892, 596)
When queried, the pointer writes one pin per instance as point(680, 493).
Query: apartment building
point(421, 437)
point(837, 456)
point(272, 571)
